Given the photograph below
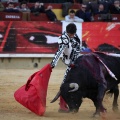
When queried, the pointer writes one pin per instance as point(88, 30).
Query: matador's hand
point(52, 65)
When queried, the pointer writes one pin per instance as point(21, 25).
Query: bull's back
point(88, 69)
point(112, 62)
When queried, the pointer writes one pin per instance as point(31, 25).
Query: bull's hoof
point(96, 115)
point(115, 109)
point(63, 111)
point(74, 111)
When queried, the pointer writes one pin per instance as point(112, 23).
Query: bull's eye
point(1, 36)
point(39, 38)
point(32, 38)
point(51, 39)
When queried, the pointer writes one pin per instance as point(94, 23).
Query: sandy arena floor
point(12, 79)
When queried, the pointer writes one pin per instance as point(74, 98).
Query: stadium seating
point(115, 18)
point(40, 17)
point(57, 9)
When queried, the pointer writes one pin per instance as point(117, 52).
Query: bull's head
point(71, 94)
point(71, 89)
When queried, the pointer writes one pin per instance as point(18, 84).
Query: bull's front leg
point(96, 106)
point(102, 86)
point(101, 92)
point(99, 99)
point(116, 94)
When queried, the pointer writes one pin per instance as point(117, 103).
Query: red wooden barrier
point(40, 17)
point(115, 18)
point(5, 16)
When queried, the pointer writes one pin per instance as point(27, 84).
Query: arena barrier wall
point(36, 42)
point(26, 16)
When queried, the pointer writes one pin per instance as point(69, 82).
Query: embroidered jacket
point(69, 48)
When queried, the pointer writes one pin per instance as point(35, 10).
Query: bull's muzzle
point(74, 111)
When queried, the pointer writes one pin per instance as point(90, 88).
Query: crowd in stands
point(49, 1)
point(36, 9)
point(85, 13)
point(40, 8)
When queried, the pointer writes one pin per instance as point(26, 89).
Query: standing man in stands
point(72, 18)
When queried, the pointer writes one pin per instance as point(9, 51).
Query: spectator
point(79, 1)
point(115, 8)
point(25, 10)
point(107, 4)
point(42, 1)
point(37, 8)
point(51, 1)
point(13, 1)
point(84, 14)
point(72, 18)
point(100, 10)
point(65, 8)
point(1, 7)
point(11, 8)
point(50, 14)
point(23, 7)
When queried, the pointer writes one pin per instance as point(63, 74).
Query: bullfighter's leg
point(63, 105)
point(116, 94)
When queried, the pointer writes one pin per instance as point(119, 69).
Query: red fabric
point(63, 105)
point(33, 94)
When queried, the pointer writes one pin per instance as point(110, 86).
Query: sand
point(10, 109)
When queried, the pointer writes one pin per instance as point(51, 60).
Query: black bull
point(90, 79)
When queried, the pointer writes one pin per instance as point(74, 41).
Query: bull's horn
point(75, 86)
point(56, 97)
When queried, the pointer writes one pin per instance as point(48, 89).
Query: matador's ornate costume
point(69, 48)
